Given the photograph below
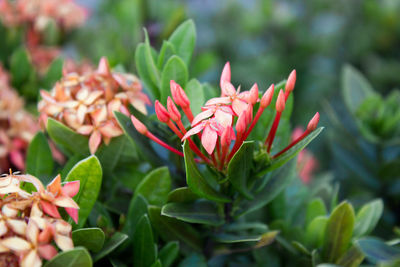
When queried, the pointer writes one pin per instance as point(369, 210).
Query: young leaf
point(89, 173)
point(196, 182)
point(376, 250)
point(144, 73)
point(78, 256)
point(338, 232)
point(115, 241)
point(39, 160)
point(368, 217)
point(175, 69)
point(66, 138)
point(167, 50)
point(169, 253)
point(204, 212)
point(239, 168)
point(182, 194)
point(352, 258)
point(137, 208)
point(314, 209)
point(184, 40)
point(315, 231)
point(155, 186)
point(195, 92)
point(90, 238)
point(150, 61)
point(144, 253)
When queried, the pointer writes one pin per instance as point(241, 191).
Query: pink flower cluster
point(223, 120)
point(30, 222)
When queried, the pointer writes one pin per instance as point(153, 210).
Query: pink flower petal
point(94, 141)
point(17, 159)
point(110, 130)
point(65, 202)
point(239, 106)
point(92, 97)
point(226, 74)
point(50, 209)
point(85, 129)
point(209, 139)
point(196, 129)
point(228, 89)
point(82, 94)
point(202, 116)
point(223, 118)
point(47, 251)
point(55, 185)
point(71, 188)
point(219, 100)
point(73, 213)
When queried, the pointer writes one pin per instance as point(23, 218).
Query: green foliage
point(39, 160)
point(78, 256)
point(90, 238)
point(155, 186)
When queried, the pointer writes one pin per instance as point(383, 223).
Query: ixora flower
point(230, 117)
point(86, 102)
point(30, 222)
point(17, 127)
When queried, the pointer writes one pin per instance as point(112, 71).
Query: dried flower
point(86, 102)
point(27, 228)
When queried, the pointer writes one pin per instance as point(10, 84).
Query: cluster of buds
point(30, 222)
point(86, 102)
point(223, 120)
point(17, 127)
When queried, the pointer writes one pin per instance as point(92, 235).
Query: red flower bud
point(241, 122)
point(173, 110)
point(104, 67)
point(253, 94)
point(312, 125)
point(290, 82)
point(179, 95)
point(280, 102)
point(140, 127)
point(226, 137)
point(267, 97)
point(161, 112)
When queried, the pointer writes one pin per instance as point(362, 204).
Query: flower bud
point(280, 102)
point(161, 112)
point(226, 137)
point(140, 127)
point(253, 94)
point(179, 95)
point(104, 67)
point(267, 97)
point(312, 125)
point(290, 82)
point(226, 74)
point(241, 122)
point(173, 110)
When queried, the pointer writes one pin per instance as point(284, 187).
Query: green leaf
point(184, 40)
point(182, 194)
point(78, 256)
point(315, 232)
point(175, 69)
point(194, 260)
point(115, 241)
point(150, 61)
point(195, 92)
point(376, 250)
point(196, 182)
point(173, 229)
point(314, 209)
point(66, 138)
point(137, 208)
point(240, 167)
point(338, 232)
point(157, 264)
point(167, 50)
point(355, 88)
point(20, 67)
point(367, 218)
point(352, 258)
point(53, 74)
point(169, 253)
point(144, 73)
point(90, 238)
point(201, 211)
point(39, 160)
point(236, 238)
point(155, 186)
point(301, 248)
point(279, 180)
point(88, 171)
point(144, 253)
point(293, 151)
point(109, 155)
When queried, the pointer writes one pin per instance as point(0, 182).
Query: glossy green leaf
point(88, 171)
point(338, 232)
point(152, 69)
point(137, 208)
point(114, 242)
point(293, 151)
point(155, 186)
point(175, 69)
point(182, 194)
point(144, 73)
point(314, 209)
point(144, 253)
point(195, 92)
point(355, 88)
point(315, 232)
point(90, 238)
point(367, 218)
point(184, 40)
point(39, 160)
point(167, 50)
point(240, 167)
point(66, 138)
point(20, 66)
point(352, 258)
point(172, 229)
point(236, 238)
point(78, 256)
point(376, 250)
point(110, 154)
point(204, 212)
point(196, 182)
point(169, 253)
point(53, 74)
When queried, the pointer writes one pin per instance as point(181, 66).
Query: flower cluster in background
point(86, 102)
point(17, 126)
point(30, 222)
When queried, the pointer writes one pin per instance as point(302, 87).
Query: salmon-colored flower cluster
point(86, 102)
point(225, 122)
point(30, 225)
point(17, 127)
